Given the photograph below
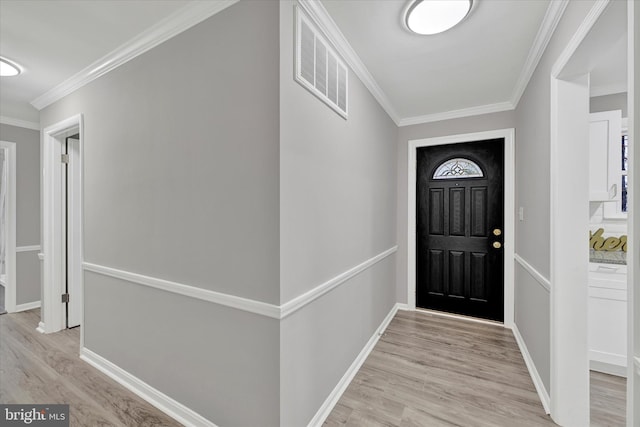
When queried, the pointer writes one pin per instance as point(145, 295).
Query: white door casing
point(509, 210)
point(53, 240)
point(10, 248)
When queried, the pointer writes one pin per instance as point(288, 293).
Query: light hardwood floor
point(425, 371)
point(428, 370)
point(36, 368)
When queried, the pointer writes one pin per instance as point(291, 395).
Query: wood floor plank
point(451, 372)
point(37, 368)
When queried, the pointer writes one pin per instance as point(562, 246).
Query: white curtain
point(3, 210)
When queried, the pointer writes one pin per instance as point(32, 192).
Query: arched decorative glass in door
point(458, 168)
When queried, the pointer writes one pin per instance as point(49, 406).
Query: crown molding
point(456, 114)
point(19, 123)
point(545, 32)
point(589, 21)
point(330, 29)
point(183, 19)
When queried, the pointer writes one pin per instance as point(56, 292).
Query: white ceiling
point(604, 52)
point(475, 64)
point(53, 40)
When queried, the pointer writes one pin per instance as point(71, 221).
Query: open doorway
point(583, 335)
point(7, 226)
point(62, 225)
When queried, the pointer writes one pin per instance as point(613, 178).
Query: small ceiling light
point(436, 16)
point(9, 68)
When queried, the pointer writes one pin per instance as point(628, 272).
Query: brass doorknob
point(497, 232)
point(497, 245)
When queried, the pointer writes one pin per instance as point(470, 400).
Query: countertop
point(605, 257)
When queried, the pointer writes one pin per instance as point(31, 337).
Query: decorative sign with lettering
point(609, 244)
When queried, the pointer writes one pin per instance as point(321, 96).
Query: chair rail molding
point(246, 304)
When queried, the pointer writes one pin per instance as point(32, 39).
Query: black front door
point(460, 215)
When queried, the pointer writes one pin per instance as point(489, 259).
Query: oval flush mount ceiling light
point(9, 68)
point(429, 17)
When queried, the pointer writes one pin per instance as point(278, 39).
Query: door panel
point(460, 202)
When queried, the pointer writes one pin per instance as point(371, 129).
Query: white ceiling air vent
point(318, 66)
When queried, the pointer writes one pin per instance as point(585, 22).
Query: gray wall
point(485, 122)
point(181, 183)
point(533, 193)
point(337, 191)
point(27, 209)
point(617, 101)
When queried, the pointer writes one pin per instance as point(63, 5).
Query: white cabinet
point(608, 318)
point(605, 156)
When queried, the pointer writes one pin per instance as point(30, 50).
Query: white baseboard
point(41, 328)
point(403, 306)
point(27, 306)
point(344, 382)
point(608, 368)
point(608, 363)
point(169, 406)
point(535, 376)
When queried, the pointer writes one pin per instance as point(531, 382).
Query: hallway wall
point(181, 184)
point(337, 191)
point(533, 193)
point(27, 210)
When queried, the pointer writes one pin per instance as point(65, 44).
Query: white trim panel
point(19, 123)
point(346, 379)
point(40, 256)
point(32, 248)
point(457, 114)
point(166, 404)
point(252, 306)
point(300, 301)
point(26, 306)
point(535, 376)
point(547, 28)
point(183, 19)
point(543, 281)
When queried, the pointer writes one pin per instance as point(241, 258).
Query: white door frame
point(10, 250)
point(509, 210)
point(569, 254)
point(633, 267)
point(53, 313)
